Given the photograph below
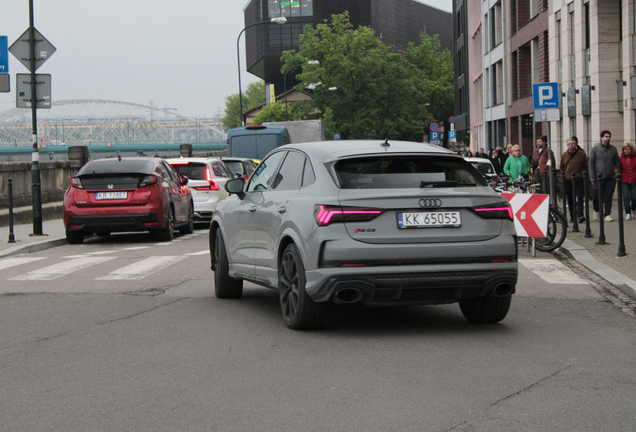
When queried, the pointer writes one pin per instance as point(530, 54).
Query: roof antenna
point(386, 143)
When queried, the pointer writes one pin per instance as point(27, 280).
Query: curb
point(34, 247)
point(579, 253)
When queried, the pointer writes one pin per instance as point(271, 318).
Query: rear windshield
point(235, 167)
point(114, 166)
point(483, 168)
point(192, 170)
point(389, 172)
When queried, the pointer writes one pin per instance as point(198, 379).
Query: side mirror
point(235, 186)
point(184, 180)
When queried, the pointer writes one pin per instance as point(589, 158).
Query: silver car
point(379, 222)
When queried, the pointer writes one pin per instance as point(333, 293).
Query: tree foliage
point(382, 92)
point(252, 97)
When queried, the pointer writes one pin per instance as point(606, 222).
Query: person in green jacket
point(517, 164)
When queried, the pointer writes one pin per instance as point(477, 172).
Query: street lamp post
point(310, 62)
point(279, 20)
point(316, 95)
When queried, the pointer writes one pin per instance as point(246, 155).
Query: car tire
point(299, 311)
point(167, 234)
point(486, 310)
point(189, 228)
point(224, 286)
point(74, 237)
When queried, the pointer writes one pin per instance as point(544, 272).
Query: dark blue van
point(254, 142)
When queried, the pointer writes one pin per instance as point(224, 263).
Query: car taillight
point(326, 215)
point(494, 211)
point(148, 180)
point(212, 186)
point(76, 183)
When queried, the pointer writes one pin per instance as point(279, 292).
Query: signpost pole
point(35, 155)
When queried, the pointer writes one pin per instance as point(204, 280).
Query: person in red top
point(628, 177)
point(540, 159)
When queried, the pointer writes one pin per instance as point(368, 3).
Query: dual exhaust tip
point(353, 295)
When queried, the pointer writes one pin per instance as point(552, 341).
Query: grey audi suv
point(384, 223)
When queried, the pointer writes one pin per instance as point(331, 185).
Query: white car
point(207, 177)
point(484, 166)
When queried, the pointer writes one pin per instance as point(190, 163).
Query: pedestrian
point(574, 162)
point(502, 156)
point(494, 160)
point(481, 154)
point(628, 177)
point(469, 153)
point(540, 160)
point(604, 163)
point(517, 164)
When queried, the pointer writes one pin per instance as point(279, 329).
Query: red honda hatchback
point(125, 195)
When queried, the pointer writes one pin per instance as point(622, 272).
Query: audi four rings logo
point(430, 203)
point(110, 186)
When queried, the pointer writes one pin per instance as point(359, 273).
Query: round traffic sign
point(434, 127)
point(451, 119)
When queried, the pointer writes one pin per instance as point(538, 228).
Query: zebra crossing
point(99, 262)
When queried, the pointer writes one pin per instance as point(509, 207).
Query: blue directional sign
point(545, 95)
point(434, 136)
point(336, 136)
point(4, 55)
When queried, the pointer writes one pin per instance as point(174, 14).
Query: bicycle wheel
point(557, 231)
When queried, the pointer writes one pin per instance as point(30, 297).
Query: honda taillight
point(212, 186)
point(76, 183)
point(148, 180)
point(326, 215)
point(494, 211)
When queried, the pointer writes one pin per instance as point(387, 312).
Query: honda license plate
point(111, 195)
point(440, 219)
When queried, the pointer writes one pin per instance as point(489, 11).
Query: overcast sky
point(176, 53)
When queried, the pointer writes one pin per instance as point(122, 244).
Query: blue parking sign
point(452, 134)
point(545, 95)
point(4, 55)
point(434, 136)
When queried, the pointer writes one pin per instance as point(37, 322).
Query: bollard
point(601, 219)
point(621, 233)
point(586, 203)
point(11, 236)
point(565, 212)
point(573, 210)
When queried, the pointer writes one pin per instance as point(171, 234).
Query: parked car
point(255, 141)
point(207, 177)
point(484, 166)
point(383, 223)
point(127, 194)
point(240, 166)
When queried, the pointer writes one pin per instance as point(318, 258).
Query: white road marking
point(75, 256)
point(101, 252)
point(12, 262)
point(62, 269)
point(552, 271)
point(136, 248)
point(163, 244)
point(142, 268)
point(203, 252)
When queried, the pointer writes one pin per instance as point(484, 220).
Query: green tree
point(274, 112)
point(382, 92)
point(252, 97)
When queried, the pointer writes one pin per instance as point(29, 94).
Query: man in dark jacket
point(604, 165)
point(574, 163)
point(540, 160)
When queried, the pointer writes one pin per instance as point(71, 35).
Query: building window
point(496, 31)
point(587, 60)
point(290, 8)
point(572, 47)
point(515, 77)
point(559, 52)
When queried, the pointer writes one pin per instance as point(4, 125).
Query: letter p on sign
point(545, 94)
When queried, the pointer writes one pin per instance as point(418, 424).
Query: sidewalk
point(601, 259)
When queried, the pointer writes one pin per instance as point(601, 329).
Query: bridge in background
point(100, 122)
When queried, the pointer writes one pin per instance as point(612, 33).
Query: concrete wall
point(54, 178)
